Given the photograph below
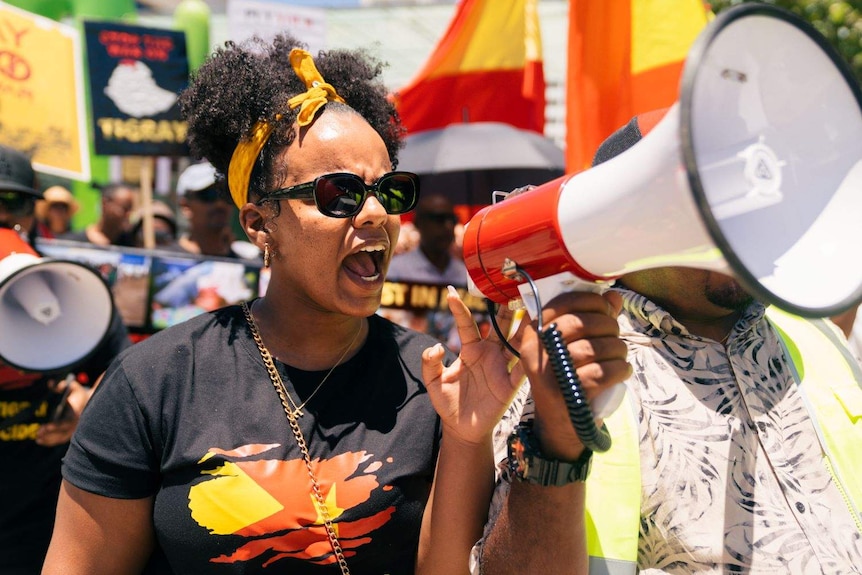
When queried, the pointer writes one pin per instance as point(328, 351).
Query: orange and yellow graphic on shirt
point(269, 502)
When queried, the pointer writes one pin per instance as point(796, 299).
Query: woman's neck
point(312, 342)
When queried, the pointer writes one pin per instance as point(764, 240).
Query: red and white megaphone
point(53, 313)
point(755, 172)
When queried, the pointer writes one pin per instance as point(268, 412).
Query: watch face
point(527, 464)
point(518, 466)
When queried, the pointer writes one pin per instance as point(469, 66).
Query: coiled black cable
point(580, 414)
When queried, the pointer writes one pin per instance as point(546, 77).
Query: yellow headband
point(317, 93)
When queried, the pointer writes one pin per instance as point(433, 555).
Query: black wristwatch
point(527, 464)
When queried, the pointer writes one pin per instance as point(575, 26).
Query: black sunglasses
point(342, 195)
point(17, 204)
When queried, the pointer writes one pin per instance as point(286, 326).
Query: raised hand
point(472, 394)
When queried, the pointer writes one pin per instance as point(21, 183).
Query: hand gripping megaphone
point(755, 172)
point(53, 313)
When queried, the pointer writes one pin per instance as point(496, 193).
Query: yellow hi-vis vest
point(830, 381)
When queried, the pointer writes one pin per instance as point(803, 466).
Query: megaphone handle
point(580, 414)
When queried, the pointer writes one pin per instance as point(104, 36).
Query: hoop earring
point(267, 258)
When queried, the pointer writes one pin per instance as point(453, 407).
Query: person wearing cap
point(54, 212)
point(18, 193)
point(207, 207)
point(32, 442)
point(114, 224)
point(737, 449)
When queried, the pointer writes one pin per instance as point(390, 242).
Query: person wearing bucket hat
point(38, 411)
point(207, 208)
point(300, 432)
point(727, 456)
point(54, 212)
point(164, 227)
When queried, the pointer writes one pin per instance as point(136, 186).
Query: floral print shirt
point(733, 479)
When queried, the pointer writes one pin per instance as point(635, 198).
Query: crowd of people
point(199, 222)
point(303, 431)
point(434, 260)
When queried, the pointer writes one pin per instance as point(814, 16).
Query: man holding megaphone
point(737, 443)
point(739, 464)
point(42, 357)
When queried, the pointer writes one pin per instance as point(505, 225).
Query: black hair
point(241, 84)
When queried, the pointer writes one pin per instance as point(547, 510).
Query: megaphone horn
point(756, 172)
point(53, 313)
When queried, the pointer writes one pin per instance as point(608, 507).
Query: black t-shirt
point(30, 473)
point(191, 416)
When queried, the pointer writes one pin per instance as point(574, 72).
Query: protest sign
point(41, 93)
point(136, 75)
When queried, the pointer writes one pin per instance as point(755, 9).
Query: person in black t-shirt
point(299, 432)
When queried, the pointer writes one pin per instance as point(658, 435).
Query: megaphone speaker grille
point(772, 142)
point(35, 338)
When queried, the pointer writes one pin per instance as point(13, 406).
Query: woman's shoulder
point(222, 318)
point(217, 328)
point(158, 372)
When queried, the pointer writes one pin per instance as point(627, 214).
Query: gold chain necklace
point(297, 409)
point(286, 403)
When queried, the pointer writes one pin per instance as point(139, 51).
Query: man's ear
point(253, 221)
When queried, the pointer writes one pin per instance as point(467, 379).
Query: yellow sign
point(41, 93)
point(425, 297)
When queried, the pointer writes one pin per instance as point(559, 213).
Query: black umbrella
point(467, 162)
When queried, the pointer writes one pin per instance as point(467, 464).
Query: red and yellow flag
point(625, 58)
point(487, 67)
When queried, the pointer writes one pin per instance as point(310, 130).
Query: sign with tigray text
point(136, 76)
point(42, 93)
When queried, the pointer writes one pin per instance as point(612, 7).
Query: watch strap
point(527, 464)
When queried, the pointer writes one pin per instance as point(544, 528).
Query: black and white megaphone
point(755, 172)
point(53, 313)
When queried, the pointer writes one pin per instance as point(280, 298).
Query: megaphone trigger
point(565, 371)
